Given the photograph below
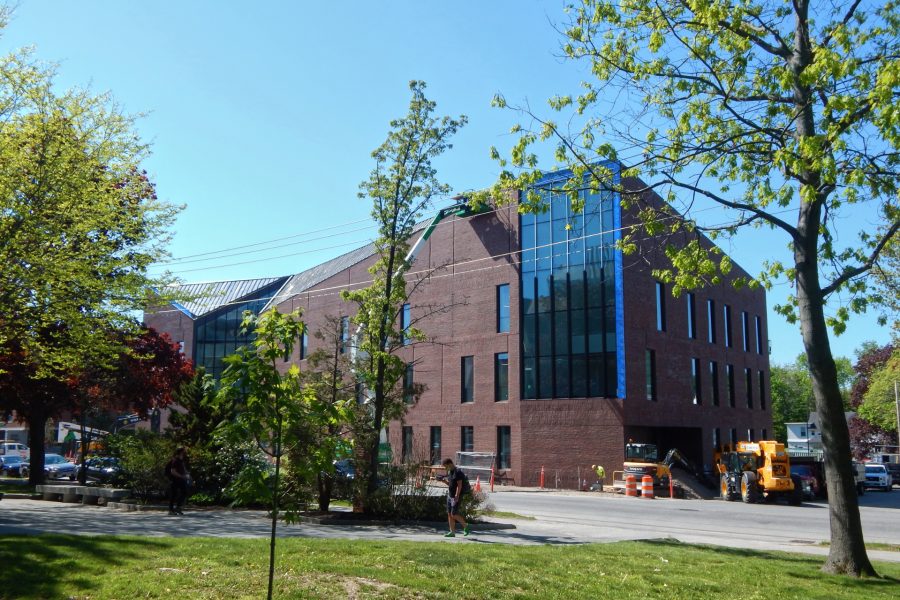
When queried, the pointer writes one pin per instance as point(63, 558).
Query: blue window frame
point(405, 320)
point(503, 308)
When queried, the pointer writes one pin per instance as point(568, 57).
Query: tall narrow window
point(408, 381)
point(435, 445)
point(501, 377)
point(762, 391)
point(714, 382)
point(345, 334)
point(503, 308)
point(759, 344)
point(751, 435)
point(406, 447)
point(726, 324)
point(304, 345)
point(650, 373)
point(745, 330)
point(748, 384)
point(733, 437)
point(717, 439)
point(695, 381)
point(660, 306)
point(729, 382)
point(765, 434)
point(504, 447)
point(467, 379)
point(467, 438)
point(405, 320)
point(711, 320)
point(692, 316)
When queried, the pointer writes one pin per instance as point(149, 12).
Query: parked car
point(877, 476)
point(10, 448)
point(808, 481)
point(10, 463)
point(894, 470)
point(55, 467)
point(99, 468)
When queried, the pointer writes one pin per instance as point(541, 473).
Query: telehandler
point(756, 471)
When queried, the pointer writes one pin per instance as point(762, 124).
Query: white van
point(14, 448)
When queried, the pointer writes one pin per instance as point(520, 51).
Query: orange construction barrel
point(647, 487)
point(630, 486)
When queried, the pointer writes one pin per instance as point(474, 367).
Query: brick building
point(553, 348)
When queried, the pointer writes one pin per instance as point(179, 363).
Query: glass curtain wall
point(569, 343)
point(218, 335)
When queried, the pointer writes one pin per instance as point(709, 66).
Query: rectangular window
point(408, 381)
point(436, 446)
point(406, 447)
point(729, 381)
point(714, 382)
point(345, 334)
point(762, 391)
point(717, 439)
point(695, 381)
point(467, 438)
point(733, 437)
point(503, 308)
point(304, 345)
point(691, 316)
point(650, 373)
point(660, 306)
point(764, 434)
point(745, 330)
point(759, 337)
point(501, 377)
point(726, 324)
point(504, 447)
point(405, 320)
point(467, 379)
point(748, 384)
point(751, 436)
point(711, 320)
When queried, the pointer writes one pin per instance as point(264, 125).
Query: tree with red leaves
point(865, 436)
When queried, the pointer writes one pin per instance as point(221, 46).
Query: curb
point(316, 520)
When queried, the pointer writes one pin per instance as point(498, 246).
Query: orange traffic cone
point(477, 487)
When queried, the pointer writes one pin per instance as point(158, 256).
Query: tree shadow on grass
point(42, 566)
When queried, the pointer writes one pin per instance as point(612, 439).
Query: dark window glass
point(745, 330)
point(714, 382)
point(759, 336)
point(503, 308)
point(436, 445)
point(650, 373)
point(762, 391)
point(748, 384)
point(579, 377)
point(467, 383)
point(406, 448)
point(695, 381)
point(529, 378)
point(562, 377)
point(726, 324)
point(717, 439)
point(734, 439)
point(345, 334)
point(467, 438)
point(408, 384)
point(764, 434)
point(660, 306)
point(405, 320)
point(504, 447)
point(711, 320)
point(750, 435)
point(304, 345)
point(501, 377)
point(691, 316)
point(545, 378)
point(729, 382)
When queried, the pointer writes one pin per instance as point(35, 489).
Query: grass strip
point(81, 568)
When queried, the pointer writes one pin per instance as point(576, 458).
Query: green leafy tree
point(887, 282)
point(271, 405)
point(80, 224)
point(761, 110)
point(792, 392)
point(401, 186)
point(879, 405)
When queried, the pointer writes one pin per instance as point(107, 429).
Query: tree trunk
point(36, 423)
point(847, 554)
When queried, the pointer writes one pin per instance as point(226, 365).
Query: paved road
point(560, 519)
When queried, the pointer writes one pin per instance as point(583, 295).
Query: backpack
point(466, 486)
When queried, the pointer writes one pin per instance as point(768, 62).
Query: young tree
point(759, 109)
point(271, 405)
point(865, 435)
point(879, 404)
point(401, 186)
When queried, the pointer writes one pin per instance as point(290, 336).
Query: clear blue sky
point(263, 115)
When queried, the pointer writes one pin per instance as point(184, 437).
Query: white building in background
point(807, 437)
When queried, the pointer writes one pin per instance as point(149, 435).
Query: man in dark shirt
point(177, 472)
point(456, 483)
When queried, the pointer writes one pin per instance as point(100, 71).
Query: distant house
point(807, 437)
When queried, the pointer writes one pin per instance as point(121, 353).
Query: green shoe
point(466, 531)
point(449, 534)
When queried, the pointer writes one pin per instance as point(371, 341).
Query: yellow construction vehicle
point(756, 471)
point(643, 459)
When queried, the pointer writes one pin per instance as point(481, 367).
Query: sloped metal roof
point(207, 297)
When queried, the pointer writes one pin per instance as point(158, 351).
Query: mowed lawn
point(77, 567)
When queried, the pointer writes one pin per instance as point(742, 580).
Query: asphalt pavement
point(558, 518)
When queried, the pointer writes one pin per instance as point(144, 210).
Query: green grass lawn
point(75, 567)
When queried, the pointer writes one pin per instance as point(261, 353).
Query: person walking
point(178, 474)
point(457, 485)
